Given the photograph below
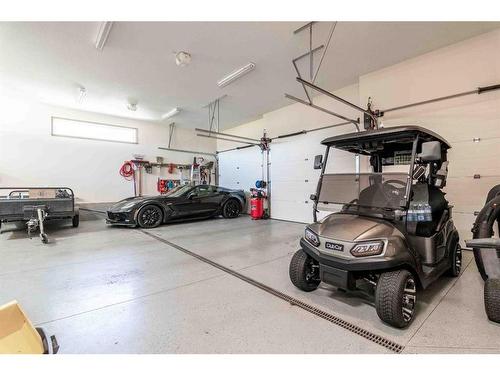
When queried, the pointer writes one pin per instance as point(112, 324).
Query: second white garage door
point(293, 178)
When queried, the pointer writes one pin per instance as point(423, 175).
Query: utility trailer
point(35, 205)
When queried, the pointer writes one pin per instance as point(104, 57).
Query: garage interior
point(97, 112)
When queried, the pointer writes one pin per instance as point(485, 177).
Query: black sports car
point(181, 203)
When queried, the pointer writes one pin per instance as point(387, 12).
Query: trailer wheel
point(304, 272)
point(492, 299)
point(76, 221)
point(396, 298)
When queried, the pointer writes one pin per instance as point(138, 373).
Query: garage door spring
point(382, 341)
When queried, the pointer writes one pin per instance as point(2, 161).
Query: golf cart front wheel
point(455, 257)
point(304, 271)
point(396, 298)
point(492, 299)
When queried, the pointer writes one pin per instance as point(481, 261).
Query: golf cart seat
point(438, 204)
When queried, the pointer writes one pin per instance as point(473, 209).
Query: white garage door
point(293, 178)
point(239, 169)
point(460, 125)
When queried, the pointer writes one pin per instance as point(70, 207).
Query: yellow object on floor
point(17, 334)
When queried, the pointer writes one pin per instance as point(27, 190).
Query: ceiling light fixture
point(132, 104)
point(236, 74)
point(182, 58)
point(82, 92)
point(170, 113)
point(102, 34)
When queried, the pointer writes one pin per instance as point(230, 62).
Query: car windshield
point(178, 191)
point(378, 190)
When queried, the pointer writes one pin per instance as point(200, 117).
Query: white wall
point(30, 156)
point(460, 67)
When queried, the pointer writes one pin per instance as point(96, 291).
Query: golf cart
point(487, 252)
point(393, 229)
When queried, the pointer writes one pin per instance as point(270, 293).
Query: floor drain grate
point(380, 340)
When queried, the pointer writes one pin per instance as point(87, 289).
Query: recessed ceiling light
point(182, 58)
point(170, 113)
point(236, 74)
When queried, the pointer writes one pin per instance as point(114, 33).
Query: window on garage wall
point(62, 127)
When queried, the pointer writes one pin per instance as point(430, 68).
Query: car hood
point(134, 202)
point(347, 227)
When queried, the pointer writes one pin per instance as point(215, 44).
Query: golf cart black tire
point(298, 271)
point(146, 207)
point(76, 221)
point(389, 297)
point(225, 213)
point(492, 299)
point(455, 248)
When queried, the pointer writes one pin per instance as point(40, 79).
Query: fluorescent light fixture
point(102, 35)
point(170, 113)
point(236, 74)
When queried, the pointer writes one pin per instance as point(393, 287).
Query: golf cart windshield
point(377, 190)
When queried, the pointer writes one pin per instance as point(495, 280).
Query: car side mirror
point(313, 197)
point(192, 196)
point(318, 162)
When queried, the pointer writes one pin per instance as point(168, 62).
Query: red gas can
point(256, 208)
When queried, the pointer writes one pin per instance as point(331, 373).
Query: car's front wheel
point(304, 271)
point(149, 216)
point(396, 298)
point(231, 209)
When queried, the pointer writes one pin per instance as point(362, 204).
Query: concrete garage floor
point(103, 289)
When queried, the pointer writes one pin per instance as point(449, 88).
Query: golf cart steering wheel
point(393, 191)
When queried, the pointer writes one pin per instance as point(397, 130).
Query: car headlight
point(127, 206)
point(312, 237)
point(368, 248)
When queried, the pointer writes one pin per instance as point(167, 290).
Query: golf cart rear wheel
point(304, 271)
point(492, 299)
point(149, 216)
point(396, 298)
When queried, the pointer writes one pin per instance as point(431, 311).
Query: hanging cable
point(127, 171)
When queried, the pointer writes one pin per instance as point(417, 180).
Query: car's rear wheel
point(231, 209)
point(396, 298)
point(304, 272)
point(149, 216)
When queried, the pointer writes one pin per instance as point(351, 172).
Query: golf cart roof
point(369, 141)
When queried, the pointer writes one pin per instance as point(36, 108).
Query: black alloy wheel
point(231, 209)
point(150, 216)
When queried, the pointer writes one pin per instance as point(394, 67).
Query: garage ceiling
point(49, 61)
